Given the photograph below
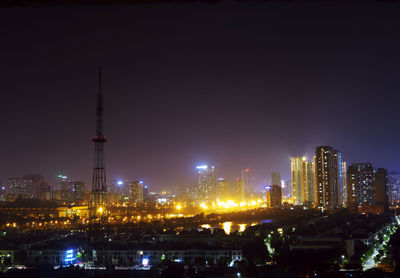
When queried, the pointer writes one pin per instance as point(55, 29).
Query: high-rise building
point(136, 191)
point(337, 162)
point(273, 196)
point(394, 186)
point(381, 189)
point(245, 181)
point(223, 189)
point(276, 178)
point(35, 187)
point(328, 179)
point(145, 193)
point(14, 187)
point(344, 184)
point(72, 191)
point(308, 182)
point(297, 180)
point(360, 184)
point(302, 172)
point(206, 183)
point(239, 190)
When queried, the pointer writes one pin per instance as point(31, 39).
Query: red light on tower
point(247, 170)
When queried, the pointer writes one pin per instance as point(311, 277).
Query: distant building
point(360, 184)
point(394, 186)
point(276, 178)
point(246, 185)
point(206, 183)
point(73, 191)
point(223, 189)
point(239, 190)
point(14, 188)
point(136, 191)
point(381, 189)
point(328, 171)
point(273, 196)
point(145, 193)
point(34, 186)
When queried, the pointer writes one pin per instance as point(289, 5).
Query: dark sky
point(233, 84)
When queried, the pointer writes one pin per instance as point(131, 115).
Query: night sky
point(232, 84)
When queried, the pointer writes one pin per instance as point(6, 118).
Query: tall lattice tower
point(98, 209)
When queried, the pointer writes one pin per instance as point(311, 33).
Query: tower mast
point(98, 209)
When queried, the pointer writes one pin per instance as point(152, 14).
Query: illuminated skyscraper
point(296, 167)
point(308, 182)
point(344, 184)
point(206, 183)
point(136, 191)
point(302, 172)
point(276, 178)
point(360, 184)
point(328, 171)
point(337, 163)
point(394, 186)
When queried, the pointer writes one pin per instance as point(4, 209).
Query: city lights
point(227, 227)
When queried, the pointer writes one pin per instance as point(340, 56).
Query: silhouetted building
point(273, 196)
point(381, 189)
point(276, 178)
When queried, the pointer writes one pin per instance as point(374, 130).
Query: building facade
point(206, 183)
point(328, 178)
point(276, 178)
point(136, 192)
point(273, 196)
point(394, 186)
point(360, 185)
point(303, 181)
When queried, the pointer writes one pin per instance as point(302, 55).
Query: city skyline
point(163, 120)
